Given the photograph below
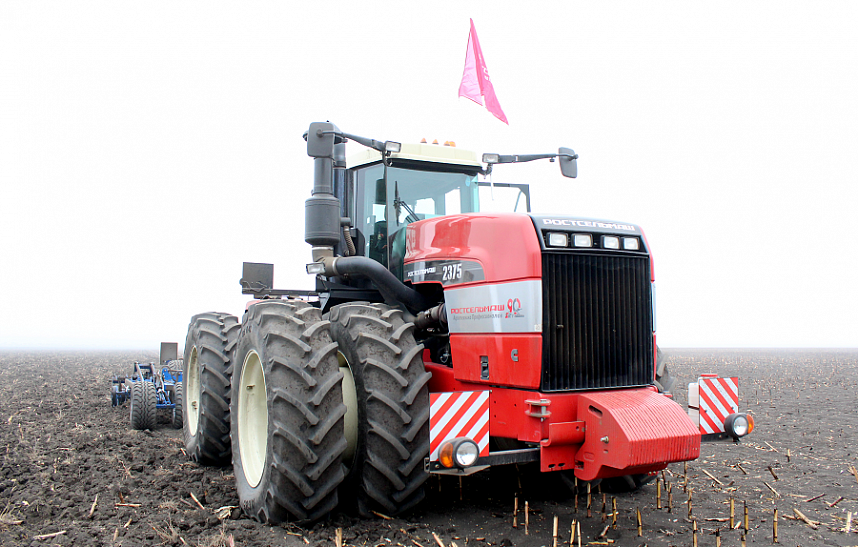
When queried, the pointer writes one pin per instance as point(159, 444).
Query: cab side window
point(371, 213)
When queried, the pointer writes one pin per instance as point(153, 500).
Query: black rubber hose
point(390, 287)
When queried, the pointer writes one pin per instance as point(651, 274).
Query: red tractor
point(441, 338)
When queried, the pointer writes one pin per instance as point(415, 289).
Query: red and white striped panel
point(458, 414)
point(719, 397)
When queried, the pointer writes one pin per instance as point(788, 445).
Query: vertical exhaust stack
point(322, 210)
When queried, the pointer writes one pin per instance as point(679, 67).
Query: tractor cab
point(422, 181)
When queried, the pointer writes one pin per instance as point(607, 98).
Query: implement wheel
point(206, 383)
point(287, 414)
point(390, 382)
point(177, 410)
point(144, 398)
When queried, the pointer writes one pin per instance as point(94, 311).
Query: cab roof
point(431, 153)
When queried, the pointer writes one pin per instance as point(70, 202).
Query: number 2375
point(451, 272)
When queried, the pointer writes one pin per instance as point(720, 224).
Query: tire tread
point(214, 335)
point(393, 399)
point(305, 412)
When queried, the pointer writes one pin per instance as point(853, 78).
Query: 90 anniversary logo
point(513, 306)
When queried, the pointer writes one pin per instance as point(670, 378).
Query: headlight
point(315, 268)
point(738, 425)
point(459, 452)
point(610, 242)
point(583, 240)
point(631, 244)
point(558, 239)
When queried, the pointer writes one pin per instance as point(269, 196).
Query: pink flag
point(476, 84)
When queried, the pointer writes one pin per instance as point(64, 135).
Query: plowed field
point(72, 472)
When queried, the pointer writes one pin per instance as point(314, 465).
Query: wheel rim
point(252, 419)
point(194, 392)
point(351, 417)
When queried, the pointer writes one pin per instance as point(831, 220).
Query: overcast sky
point(148, 148)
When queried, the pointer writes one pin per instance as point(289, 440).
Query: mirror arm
point(344, 137)
point(369, 143)
point(528, 157)
point(532, 157)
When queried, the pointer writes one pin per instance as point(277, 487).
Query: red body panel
point(505, 244)
point(467, 349)
point(599, 434)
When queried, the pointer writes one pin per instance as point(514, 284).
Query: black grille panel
point(597, 321)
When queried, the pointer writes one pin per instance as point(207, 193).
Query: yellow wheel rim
point(252, 419)
point(193, 391)
point(350, 399)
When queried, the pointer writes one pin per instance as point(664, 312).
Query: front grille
point(597, 321)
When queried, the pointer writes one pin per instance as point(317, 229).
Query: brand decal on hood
point(588, 224)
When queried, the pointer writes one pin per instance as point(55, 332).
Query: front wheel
point(392, 396)
point(626, 483)
point(287, 414)
point(663, 380)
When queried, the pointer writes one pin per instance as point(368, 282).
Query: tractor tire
point(288, 432)
point(385, 467)
point(144, 398)
point(626, 483)
point(663, 380)
point(206, 382)
point(177, 409)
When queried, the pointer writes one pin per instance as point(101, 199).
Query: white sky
point(148, 148)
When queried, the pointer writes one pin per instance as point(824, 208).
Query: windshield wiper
point(397, 203)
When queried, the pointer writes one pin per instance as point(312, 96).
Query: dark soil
point(71, 466)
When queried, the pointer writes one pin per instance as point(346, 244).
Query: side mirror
point(568, 162)
point(320, 139)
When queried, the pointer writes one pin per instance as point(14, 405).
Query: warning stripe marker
point(719, 397)
point(458, 414)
